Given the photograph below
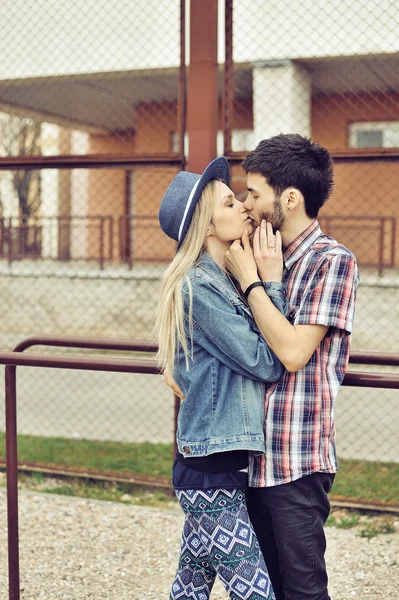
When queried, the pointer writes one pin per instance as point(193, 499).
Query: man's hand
point(268, 252)
point(241, 263)
point(168, 379)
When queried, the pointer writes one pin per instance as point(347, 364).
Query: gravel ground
point(75, 549)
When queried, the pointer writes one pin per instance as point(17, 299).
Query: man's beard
point(276, 218)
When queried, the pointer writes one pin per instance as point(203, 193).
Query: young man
point(289, 178)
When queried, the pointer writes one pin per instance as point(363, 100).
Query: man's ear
point(292, 198)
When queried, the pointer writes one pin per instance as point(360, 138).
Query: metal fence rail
point(16, 358)
point(387, 359)
point(383, 229)
point(24, 238)
point(126, 232)
point(13, 360)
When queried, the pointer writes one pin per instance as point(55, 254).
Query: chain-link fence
point(92, 129)
point(95, 270)
point(330, 71)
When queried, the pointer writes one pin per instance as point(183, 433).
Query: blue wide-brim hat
point(181, 197)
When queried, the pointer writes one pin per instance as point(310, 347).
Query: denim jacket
point(224, 386)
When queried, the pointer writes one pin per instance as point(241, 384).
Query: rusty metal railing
point(144, 366)
point(94, 343)
point(128, 226)
point(14, 359)
point(381, 226)
point(23, 238)
point(44, 238)
point(386, 359)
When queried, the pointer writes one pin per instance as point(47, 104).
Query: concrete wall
point(86, 302)
point(120, 303)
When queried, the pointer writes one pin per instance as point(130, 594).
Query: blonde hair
point(170, 318)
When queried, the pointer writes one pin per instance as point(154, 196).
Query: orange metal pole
point(228, 85)
point(202, 97)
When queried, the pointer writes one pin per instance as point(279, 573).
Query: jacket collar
point(207, 263)
point(301, 244)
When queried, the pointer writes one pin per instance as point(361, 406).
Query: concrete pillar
point(281, 99)
point(79, 198)
point(202, 89)
point(64, 199)
point(49, 192)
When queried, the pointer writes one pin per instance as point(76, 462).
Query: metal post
point(9, 238)
point(228, 87)
point(126, 233)
point(111, 237)
point(101, 243)
point(202, 98)
point(3, 230)
point(182, 91)
point(381, 248)
point(12, 481)
point(393, 241)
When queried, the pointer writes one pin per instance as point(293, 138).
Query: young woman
point(209, 342)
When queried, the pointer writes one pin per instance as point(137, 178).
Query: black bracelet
point(251, 287)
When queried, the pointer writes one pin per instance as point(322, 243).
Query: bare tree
point(20, 136)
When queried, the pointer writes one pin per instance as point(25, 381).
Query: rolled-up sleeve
point(278, 295)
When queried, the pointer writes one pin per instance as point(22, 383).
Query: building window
point(241, 139)
point(174, 142)
point(383, 134)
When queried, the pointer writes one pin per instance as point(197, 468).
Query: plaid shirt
point(321, 280)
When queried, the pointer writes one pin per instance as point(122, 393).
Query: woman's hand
point(170, 382)
point(240, 262)
point(268, 252)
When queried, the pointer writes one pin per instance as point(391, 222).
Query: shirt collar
point(301, 244)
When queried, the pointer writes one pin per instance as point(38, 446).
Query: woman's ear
point(210, 231)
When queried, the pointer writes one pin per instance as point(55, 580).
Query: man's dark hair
point(290, 160)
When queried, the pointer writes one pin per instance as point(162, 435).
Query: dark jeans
point(288, 520)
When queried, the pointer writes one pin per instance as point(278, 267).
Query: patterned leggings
point(218, 538)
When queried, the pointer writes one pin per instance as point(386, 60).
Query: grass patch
point(376, 527)
point(368, 481)
point(126, 493)
point(64, 490)
point(367, 524)
point(113, 493)
point(141, 459)
point(348, 521)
